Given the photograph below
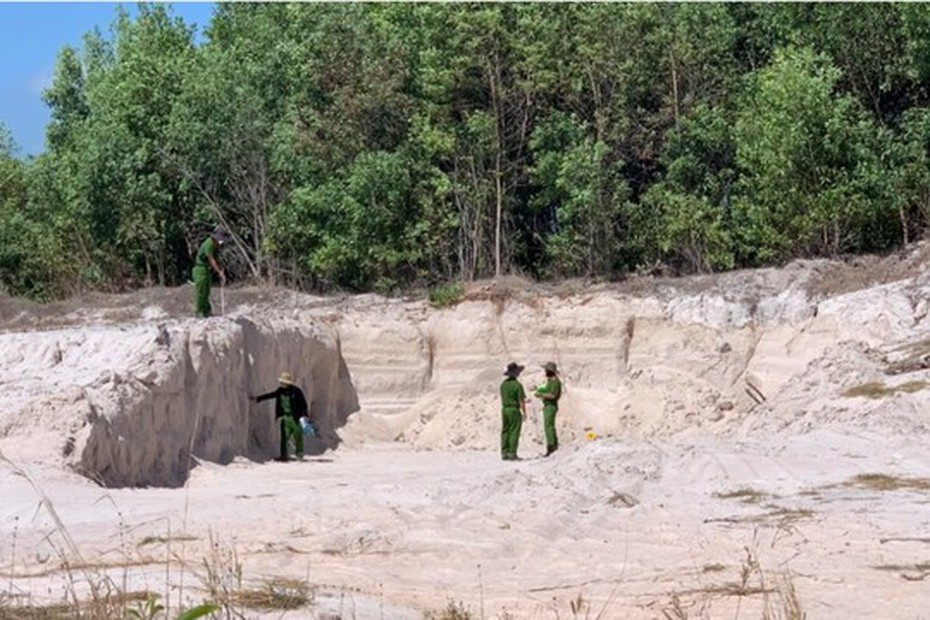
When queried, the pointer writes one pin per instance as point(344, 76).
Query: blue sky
point(31, 35)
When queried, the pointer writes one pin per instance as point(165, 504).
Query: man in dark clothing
point(289, 406)
point(513, 412)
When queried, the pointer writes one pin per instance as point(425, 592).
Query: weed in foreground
point(675, 611)
point(90, 592)
point(779, 600)
point(149, 609)
point(276, 594)
point(452, 611)
point(222, 577)
point(106, 605)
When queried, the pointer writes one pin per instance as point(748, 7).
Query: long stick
point(222, 299)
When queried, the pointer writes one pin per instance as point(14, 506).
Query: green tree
point(65, 99)
point(359, 231)
point(813, 175)
point(868, 43)
point(685, 217)
point(104, 184)
point(583, 197)
point(911, 168)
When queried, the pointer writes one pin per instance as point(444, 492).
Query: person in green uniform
point(550, 394)
point(206, 259)
point(513, 411)
point(289, 406)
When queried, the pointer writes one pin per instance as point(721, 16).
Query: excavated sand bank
point(762, 441)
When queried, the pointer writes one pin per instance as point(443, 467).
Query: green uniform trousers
point(290, 431)
point(202, 282)
point(512, 422)
point(552, 440)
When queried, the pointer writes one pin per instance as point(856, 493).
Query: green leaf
point(200, 611)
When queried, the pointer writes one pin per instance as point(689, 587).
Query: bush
point(446, 295)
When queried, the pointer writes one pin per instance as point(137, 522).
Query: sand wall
point(639, 367)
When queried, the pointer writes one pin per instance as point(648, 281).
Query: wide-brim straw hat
point(286, 378)
point(551, 367)
point(513, 369)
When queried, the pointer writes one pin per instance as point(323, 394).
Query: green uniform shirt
point(553, 390)
point(207, 248)
point(512, 393)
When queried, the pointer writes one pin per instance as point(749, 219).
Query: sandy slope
point(732, 466)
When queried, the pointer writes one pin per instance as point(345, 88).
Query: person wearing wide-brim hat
point(204, 261)
point(513, 411)
point(550, 394)
point(289, 406)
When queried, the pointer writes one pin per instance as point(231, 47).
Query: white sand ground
point(730, 477)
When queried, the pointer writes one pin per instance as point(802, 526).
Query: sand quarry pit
point(762, 450)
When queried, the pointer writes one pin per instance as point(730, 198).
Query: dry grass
point(883, 482)
point(452, 611)
point(161, 540)
point(877, 389)
point(91, 593)
point(276, 594)
point(745, 495)
point(775, 592)
point(917, 571)
point(622, 500)
point(917, 566)
point(777, 515)
point(112, 605)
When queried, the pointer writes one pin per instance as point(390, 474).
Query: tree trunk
point(498, 215)
point(671, 55)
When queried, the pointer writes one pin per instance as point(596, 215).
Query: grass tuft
point(883, 482)
point(446, 295)
point(775, 592)
point(161, 540)
point(110, 605)
point(745, 495)
point(452, 611)
point(877, 389)
point(276, 594)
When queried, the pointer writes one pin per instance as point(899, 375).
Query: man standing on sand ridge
point(206, 259)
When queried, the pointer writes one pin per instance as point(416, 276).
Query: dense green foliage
point(378, 146)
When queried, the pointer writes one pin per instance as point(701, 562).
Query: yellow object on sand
point(590, 435)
